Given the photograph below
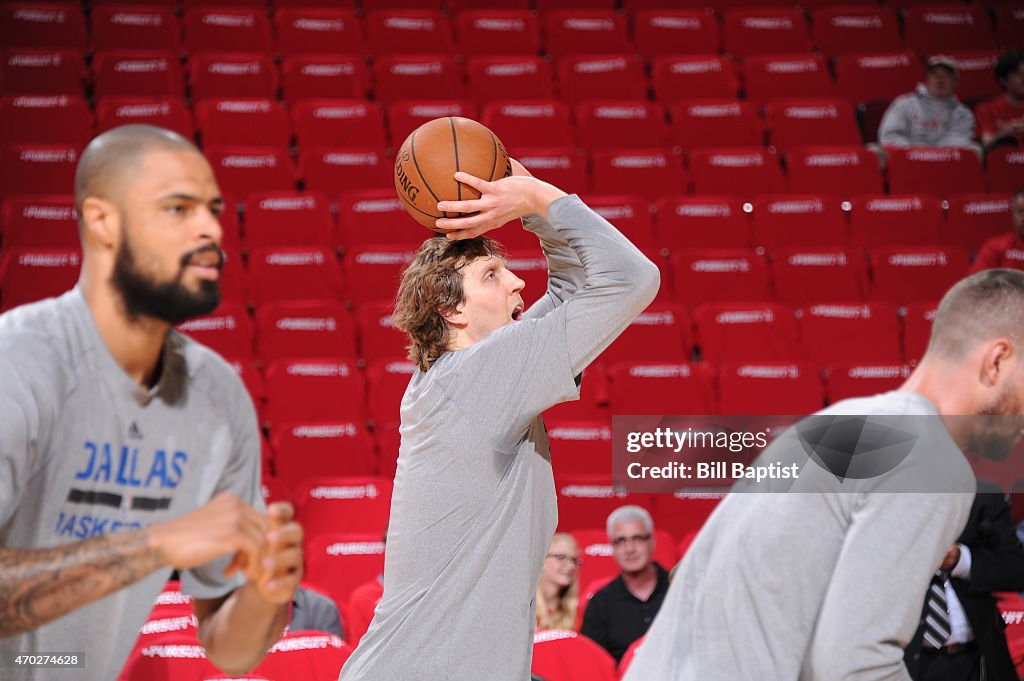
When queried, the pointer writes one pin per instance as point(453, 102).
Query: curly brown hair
point(432, 287)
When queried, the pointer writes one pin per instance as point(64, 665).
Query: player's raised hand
point(280, 570)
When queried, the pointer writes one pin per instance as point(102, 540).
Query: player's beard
point(170, 301)
point(997, 430)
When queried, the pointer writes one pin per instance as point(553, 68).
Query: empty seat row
point(744, 32)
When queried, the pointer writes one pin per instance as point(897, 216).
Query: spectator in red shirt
point(1001, 120)
point(1005, 250)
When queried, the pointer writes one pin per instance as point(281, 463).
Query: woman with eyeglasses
point(558, 590)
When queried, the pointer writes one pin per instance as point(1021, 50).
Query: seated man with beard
point(126, 449)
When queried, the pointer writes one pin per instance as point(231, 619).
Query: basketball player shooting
point(474, 498)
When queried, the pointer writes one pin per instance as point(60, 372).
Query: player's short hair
point(113, 154)
point(432, 287)
point(629, 514)
point(1008, 63)
point(986, 305)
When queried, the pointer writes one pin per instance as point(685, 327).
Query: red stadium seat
point(835, 332)
point(561, 166)
point(242, 122)
point(793, 75)
point(798, 220)
point(715, 122)
point(406, 115)
point(171, 658)
point(976, 71)
point(701, 222)
point(654, 388)
point(585, 501)
point(232, 75)
point(387, 380)
point(1010, 26)
point(374, 272)
point(305, 655)
point(972, 219)
point(375, 216)
point(233, 286)
point(907, 275)
point(684, 512)
point(746, 332)
point(326, 169)
point(317, 30)
point(43, 72)
point(540, 123)
point(281, 274)
point(288, 219)
point(843, 171)
point(883, 75)
point(790, 389)
point(936, 171)
point(242, 171)
point(1005, 170)
point(39, 222)
point(228, 331)
point(314, 390)
point(319, 76)
point(456, 6)
point(346, 504)
point(607, 124)
point(298, 328)
point(28, 275)
point(747, 171)
point(611, 76)
point(583, 31)
point(124, 27)
point(800, 122)
point(630, 214)
point(378, 337)
point(548, 5)
point(661, 333)
point(579, 447)
point(855, 29)
point(164, 112)
point(273, 490)
point(226, 29)
point(508, 77)
point(804, 275)
point(707, 76)
point(650, 173)
point(144, 74)
point(408, 31)
point(497, 31)
point(765, 30)
point(917, 329)
point(429, 76)
point(37, 169)
point(371, 5)
point(932, 29)
point(341, 561)
point(878, 220)
point(675, 31)
point(337, 123)
point(306, 450)
point(42, 25)
point(846, 380)
point(707, 275)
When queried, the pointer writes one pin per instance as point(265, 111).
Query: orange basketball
point(428, 160)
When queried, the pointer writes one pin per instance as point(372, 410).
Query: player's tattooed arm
point(40, 585)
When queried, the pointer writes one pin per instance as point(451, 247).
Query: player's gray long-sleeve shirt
point(474, 500)
point(825, 581)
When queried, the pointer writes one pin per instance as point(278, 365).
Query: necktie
point(936, 616)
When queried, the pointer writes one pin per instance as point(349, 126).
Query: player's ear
point(100, 221)
point(456, 317)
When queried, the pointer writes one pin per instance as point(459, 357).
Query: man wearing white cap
point(931, 116)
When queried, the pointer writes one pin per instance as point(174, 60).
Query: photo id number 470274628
point(41, 660)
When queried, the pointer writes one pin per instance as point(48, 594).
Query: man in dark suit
point(986, 558)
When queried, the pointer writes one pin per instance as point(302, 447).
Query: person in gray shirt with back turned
point(474, 499)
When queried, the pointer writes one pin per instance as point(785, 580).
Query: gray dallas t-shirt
point(84, 451)
point(474, 499)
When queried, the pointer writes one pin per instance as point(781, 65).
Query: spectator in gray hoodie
point(931, 116)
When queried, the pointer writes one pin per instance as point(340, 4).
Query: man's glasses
point(563, 558)
point(619, 542)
